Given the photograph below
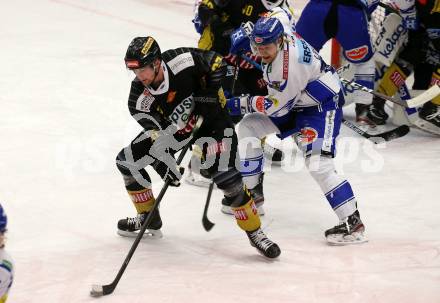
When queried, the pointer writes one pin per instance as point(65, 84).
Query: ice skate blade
point(97, 291)
point(277, 163)
point(149, 234)
point(227, 210)
point(341, 240)
point(190, 179)
point(427, 126)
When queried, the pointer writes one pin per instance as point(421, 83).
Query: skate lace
point(261, 240)
point(434, 115)
point(136, 221)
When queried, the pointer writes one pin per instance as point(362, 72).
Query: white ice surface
point(63, 119)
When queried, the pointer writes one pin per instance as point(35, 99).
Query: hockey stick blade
point(395, 133)
point(207, 225)
point(424, 97)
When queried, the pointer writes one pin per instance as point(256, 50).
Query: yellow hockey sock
point(143, 199)
point(436, 80)
point(247, 216)
point(393, 78)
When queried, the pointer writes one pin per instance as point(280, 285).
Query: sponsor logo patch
point(240, 214)
point(144, 101)
point(357, 54)
point(216, 148)
point(285, 64)
point(259, 104)
point(181, 62)
point(397, 78)
point(147, 46)
point(308, 135)
point(142, 197)
point(181, 114)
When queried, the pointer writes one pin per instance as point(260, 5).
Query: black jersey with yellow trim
point(187, 71)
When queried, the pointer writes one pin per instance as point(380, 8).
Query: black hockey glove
point(173, 174)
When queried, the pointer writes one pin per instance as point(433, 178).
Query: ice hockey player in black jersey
point(215, 20)
point(170, 91)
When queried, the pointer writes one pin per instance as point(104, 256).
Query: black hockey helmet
point(221, 3)
point(142, 52)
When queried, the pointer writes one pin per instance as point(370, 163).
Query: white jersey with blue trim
point(6, 274)
point(298, 77)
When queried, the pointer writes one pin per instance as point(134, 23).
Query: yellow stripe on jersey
point(206, 39)
point(436, 8)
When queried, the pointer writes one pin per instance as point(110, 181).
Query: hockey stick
point(419, 100)
point(102, 290)
point(398, 132)
point(207, 224)
point(387, 136)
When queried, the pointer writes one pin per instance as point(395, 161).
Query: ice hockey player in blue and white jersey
point(304, 101)
point(347, 22)
point(6, 265)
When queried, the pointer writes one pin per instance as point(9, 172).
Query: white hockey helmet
point(270, 4)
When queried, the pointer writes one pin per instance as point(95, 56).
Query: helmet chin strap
point(156, 72)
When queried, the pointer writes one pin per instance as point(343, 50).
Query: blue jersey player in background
point(347, 22)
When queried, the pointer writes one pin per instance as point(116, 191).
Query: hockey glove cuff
point(237, 106)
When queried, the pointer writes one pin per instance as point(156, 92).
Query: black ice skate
point(377, 111)
point(129, 227)
point(262, 243)
point(429, 116)
point(351, 231)
point(371, 115)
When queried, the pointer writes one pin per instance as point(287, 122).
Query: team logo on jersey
point(308, 135)
point(357, 54)
point(144, 101)
point(171, 96)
